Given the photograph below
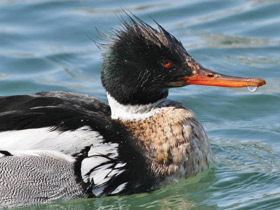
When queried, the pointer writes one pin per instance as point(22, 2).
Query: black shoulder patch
point(5, 153)
point(50, 109)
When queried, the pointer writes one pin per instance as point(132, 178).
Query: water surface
point(46, 45)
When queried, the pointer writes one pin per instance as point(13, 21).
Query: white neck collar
point(134, 112)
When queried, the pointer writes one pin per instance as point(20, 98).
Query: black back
point(51, 109)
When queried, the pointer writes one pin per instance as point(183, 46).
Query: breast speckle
point(173, 141)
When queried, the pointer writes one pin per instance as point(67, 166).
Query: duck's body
point(59, 145)
point(74, 148)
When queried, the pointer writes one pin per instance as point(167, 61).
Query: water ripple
point(45, 45)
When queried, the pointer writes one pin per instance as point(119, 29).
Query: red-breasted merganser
point(61, 145)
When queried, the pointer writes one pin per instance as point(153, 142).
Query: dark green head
point(141, 64)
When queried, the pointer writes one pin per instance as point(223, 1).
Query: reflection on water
point(248, 156)
point(259, 61)
point(228, 41)
point(247, 168)
point(45, 45)
point(221, 40)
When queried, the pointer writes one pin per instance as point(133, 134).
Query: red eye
point(166, 64)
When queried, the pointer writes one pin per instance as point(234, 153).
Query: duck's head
point(141, 64)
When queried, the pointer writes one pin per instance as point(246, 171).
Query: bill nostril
point(210, 75)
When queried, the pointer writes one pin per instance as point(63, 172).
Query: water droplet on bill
point(252, 89)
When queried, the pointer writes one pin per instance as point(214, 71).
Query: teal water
point(46, 45)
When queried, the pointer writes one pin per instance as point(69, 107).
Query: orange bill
point(203, 76)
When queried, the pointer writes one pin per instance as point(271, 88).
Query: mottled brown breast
point(173, 141)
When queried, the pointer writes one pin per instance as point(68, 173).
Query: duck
point(57, 145)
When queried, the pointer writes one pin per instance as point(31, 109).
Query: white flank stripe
point(44, 139)
point(41, 153)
